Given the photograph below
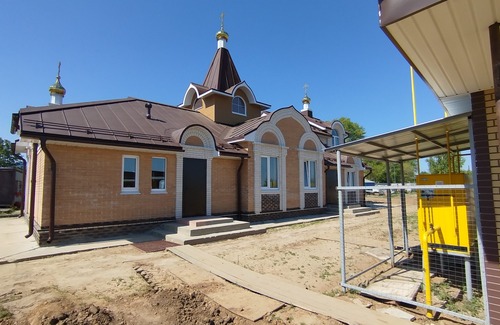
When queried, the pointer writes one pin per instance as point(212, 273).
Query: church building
point(106, 166)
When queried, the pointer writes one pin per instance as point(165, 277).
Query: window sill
point(130, 192)
point(158, 192)
point(269, 190)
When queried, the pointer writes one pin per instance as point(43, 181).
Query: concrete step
point(366, 213)
point(232, 225)
point(356, 210)
point(188, 240)
point(209, 221)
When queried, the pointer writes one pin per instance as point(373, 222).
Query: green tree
point(7, 159)
point(354, 130)
point(439, 164)
point(378, 171)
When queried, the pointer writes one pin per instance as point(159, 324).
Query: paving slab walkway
point(284, 291)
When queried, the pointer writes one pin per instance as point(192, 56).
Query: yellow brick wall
point(88, 188)
point(224, 185)
point(292, 132)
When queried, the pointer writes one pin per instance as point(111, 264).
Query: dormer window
point(239, 106)
point(335, 137)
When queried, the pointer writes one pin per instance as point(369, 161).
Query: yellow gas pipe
point(426, 266)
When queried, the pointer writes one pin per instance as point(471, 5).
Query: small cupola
point(222, 36)
point(306, 110)
point(56, 90)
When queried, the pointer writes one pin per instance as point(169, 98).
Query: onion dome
point(306, 100)
point(56, 87)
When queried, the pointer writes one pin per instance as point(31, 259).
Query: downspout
point(31, 221)
point(238, 188)
point(52, 189)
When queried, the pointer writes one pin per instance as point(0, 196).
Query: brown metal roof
point(238, 132)
point(121, 122)
point(222, 73)
point(433, 139)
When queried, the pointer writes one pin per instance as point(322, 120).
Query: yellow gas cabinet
point(443, 215)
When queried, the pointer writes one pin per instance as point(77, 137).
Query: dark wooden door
point(194, 187)
point(331, 187)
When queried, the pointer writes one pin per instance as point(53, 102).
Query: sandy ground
point(124, 285)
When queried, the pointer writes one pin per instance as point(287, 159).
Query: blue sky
point(154, 49)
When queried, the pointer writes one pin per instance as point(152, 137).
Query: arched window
point(239, 106)
point(335, 137)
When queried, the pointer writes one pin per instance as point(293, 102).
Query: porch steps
point(359, 211)
point(198, 231)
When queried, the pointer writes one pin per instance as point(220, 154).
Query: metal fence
point(417, 245)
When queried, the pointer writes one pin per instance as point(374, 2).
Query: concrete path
point(284, 291)
point(14, 247)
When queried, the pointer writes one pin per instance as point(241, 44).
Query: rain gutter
point(31, 213)
point(53, 168)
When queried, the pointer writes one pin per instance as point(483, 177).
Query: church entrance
point(194, 187)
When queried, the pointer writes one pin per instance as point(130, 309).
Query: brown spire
point(222, 74)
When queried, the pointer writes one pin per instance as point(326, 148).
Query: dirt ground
point(125, 285)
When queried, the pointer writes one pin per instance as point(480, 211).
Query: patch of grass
point(412, 221)
point(474, 307)
point(334, 293)
point(4, 313)
point(325, 274)
point(314, 257)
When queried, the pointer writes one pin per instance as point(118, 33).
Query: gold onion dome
point(57, 87)
point(222, 35)
point(306, 100)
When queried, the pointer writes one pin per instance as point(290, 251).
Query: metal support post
point(404, 216)
point(341, 221)
point(389, 213)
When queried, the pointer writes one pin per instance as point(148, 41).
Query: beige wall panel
point(194, 141)
point(224, 185)
point(292, 132)
point(269, 138)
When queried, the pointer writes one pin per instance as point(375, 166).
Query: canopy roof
point(447, 42)
point(433, 139)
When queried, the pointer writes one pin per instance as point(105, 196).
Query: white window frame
point(307, 174)
point(244, 106)
point(135, 189)
point(351, 178)
point(335, 137)
point(164, 189)
point(268, 169)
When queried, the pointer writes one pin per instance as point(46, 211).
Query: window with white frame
point(239, 106)
point(335, 137)
point(269, 172)
point(158, 174)
point(350, 179)
point(130, 174)
point(310, 174)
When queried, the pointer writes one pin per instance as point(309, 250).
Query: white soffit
point(449, 44)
